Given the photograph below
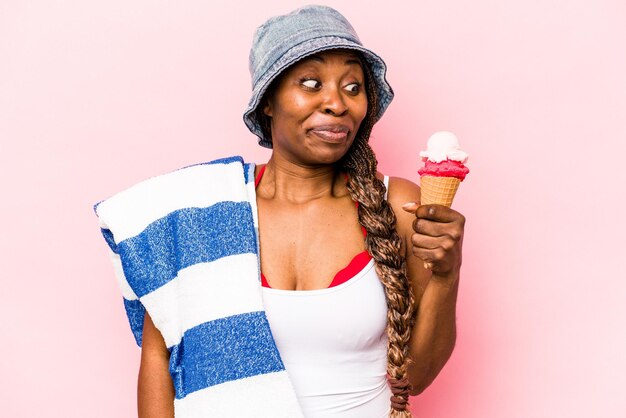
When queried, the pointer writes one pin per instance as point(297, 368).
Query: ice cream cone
point(444, 169)
point(438, 190)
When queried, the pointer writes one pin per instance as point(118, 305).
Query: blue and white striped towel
point(184, 248)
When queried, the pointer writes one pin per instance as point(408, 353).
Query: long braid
point(384, 245)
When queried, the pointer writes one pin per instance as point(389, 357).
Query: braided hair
point(384, 245)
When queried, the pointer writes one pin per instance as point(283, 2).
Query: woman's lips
point(332, 133)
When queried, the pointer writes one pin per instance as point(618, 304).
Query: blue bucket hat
point(283, 40)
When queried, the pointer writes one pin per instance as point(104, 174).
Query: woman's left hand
point(438, 239)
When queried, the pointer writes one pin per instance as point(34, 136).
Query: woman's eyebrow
point(349, 60)
point(317, 58)
point(354, 61)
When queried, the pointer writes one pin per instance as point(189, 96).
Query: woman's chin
point(328, 155)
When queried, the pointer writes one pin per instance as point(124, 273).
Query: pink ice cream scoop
point(447, 168)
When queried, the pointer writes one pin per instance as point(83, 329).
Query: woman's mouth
point(332, 133)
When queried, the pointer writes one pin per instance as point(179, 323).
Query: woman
point(384, 326)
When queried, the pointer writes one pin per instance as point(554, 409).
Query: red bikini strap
point(258, 176)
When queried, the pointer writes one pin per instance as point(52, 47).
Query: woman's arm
point(155, 391)
point(431, 234)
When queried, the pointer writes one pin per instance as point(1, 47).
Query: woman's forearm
point(434, 332)
point(155, 390)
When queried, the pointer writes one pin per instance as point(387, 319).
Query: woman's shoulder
point(400, 191)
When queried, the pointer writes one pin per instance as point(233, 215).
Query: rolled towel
point(184, 247)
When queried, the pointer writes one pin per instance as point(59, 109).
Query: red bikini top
point(357, 263)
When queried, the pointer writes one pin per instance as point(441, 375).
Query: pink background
point(97, 95)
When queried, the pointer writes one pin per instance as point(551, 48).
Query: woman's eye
point(312, 84)
point(353, 87)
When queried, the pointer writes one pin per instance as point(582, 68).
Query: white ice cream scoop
point(441, 146)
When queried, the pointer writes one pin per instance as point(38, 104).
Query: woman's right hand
point(155, 390)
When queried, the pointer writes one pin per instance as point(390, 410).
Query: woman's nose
point(334, 103)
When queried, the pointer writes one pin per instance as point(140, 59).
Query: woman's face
point(317, 106)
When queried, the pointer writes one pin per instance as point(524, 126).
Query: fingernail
point(408, 205)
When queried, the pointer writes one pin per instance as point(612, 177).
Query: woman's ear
point(267, 108)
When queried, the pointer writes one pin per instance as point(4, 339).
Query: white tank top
point(334, 346)
point(333, 343)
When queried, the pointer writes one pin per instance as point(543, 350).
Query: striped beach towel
point(184, 247)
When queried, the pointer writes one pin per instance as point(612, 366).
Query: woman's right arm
point(155, 390)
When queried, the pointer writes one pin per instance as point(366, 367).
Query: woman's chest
point(304, 247)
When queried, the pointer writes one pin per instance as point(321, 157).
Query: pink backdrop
point(96, 95)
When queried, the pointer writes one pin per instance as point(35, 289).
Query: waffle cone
point(439, 190)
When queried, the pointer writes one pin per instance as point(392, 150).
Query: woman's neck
point(296, 183)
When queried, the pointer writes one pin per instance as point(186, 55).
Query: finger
point(452, 231)
point(432, 257)
point(410, 207)
point(431, 250)
point(427, 242)
point(428, 227)
point(438, 213)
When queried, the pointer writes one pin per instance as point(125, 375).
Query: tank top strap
point(386, 182)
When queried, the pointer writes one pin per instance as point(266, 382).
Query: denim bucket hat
point(283, 40)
